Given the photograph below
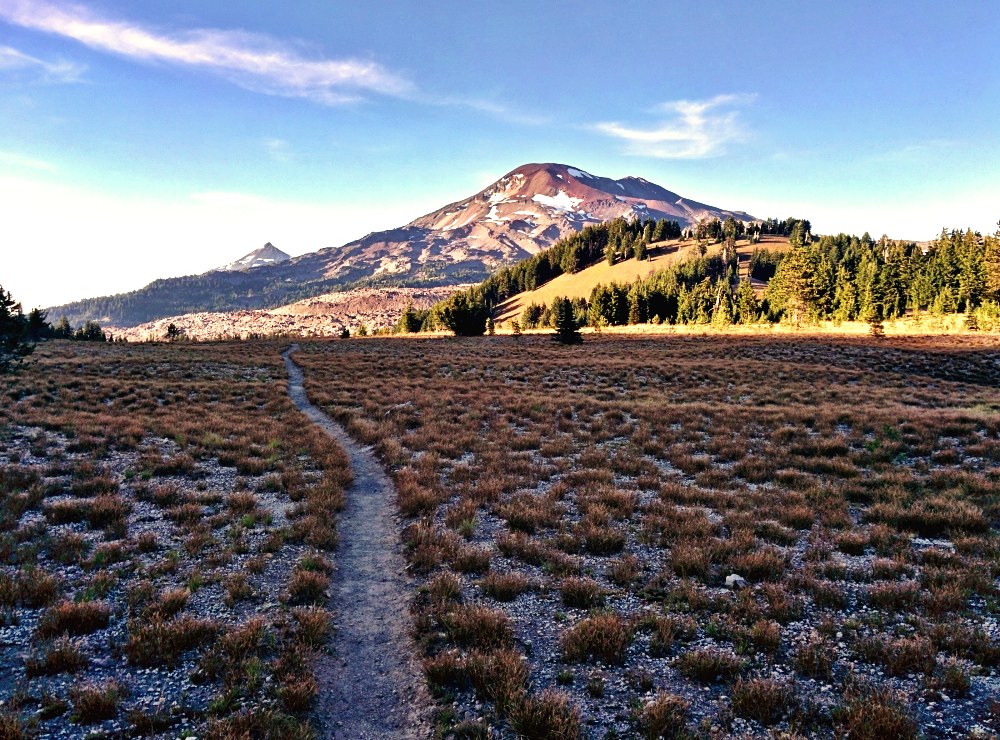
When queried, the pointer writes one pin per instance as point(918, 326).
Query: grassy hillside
point(661, 254)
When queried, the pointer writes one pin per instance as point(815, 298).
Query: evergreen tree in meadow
point(14, 343)
point(747, 305)
point(991, 267)
point(639, 248)
point(465, 315)
point(567, 330)
point(410, 322)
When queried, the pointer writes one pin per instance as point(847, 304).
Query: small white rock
point(735, 581)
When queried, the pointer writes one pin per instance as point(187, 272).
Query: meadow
point(164, 518)
point(574, 515)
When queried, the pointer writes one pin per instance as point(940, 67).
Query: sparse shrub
point(241, 503)
point(765, 564)
point(766, 636)
point(446, 669)
point(690, 560)
point(298, 693)
point(762, 699)
point(238, 589)
point(160, 642)
point(62, 656)
point(307, 587)
point(581, 593)
point(477, 626)
point(471, 560)
point(445, 589)
point(499, 676)
point(874, 714)
point(68, 548)
point(815, 659)
point(709, 665)
point(73, 618)
point(893, 596)
point(601, 540)
point(624, 571)
point(94, 702)
point(36, 588)
point(852, 542)
point(664, 717)
point(900, 656)
point(603, 637)
point(951, 678)
point(505, 586)
point(257, 722)
point(167, 604)
point(548, 716)
point(664, 630)
point(11, 725)
point(313, 625)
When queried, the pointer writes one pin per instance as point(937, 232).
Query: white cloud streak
point(253, 61)
point(13, 159)
point(12, 60)
point(695, 129)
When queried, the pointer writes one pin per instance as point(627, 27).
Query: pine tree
point(409, 322)
point(14, 344)
point(747, 305)
point(991, 267)
point(567, 332)
point(465, 315)
point(640, 249)
point(37, 326)
point(635, 312)
point(610, 252)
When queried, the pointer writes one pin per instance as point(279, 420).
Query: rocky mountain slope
point(525, 211)
point(320, 316)
point(264, 257)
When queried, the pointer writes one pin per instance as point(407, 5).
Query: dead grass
point(652, 467)
point(62, 656)
point(94, 702)
point(762, 699)
point(162, 642)
point(548, 716)
point(603, 637)
point(72, 618)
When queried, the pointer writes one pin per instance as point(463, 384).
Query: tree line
point(840, 278)
point(19, 332)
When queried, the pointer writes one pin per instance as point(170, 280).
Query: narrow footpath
point(371, 686)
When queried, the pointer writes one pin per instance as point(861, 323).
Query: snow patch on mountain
point(562, 201)
point(263, 257)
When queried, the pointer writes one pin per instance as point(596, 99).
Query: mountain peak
point(266, 255)
point(525, 211)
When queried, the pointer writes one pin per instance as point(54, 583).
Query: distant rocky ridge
point(264, 257)
point(525, 211)
point(320, 316)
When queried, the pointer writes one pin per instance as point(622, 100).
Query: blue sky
point(148, 139)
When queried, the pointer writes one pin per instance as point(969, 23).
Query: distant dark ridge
point(229, 291)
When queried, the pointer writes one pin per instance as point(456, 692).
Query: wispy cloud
point(918, 152)
point(278, 150)
point(12, 60)
point(13, 159)
point(253, 61)
point(226, 199)
point(693, 129)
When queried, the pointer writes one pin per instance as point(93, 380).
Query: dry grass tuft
point(603, 637)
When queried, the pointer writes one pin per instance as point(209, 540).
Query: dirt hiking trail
point(371, 686)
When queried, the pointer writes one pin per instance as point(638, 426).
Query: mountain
point(264, 257)
point(525, 211)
